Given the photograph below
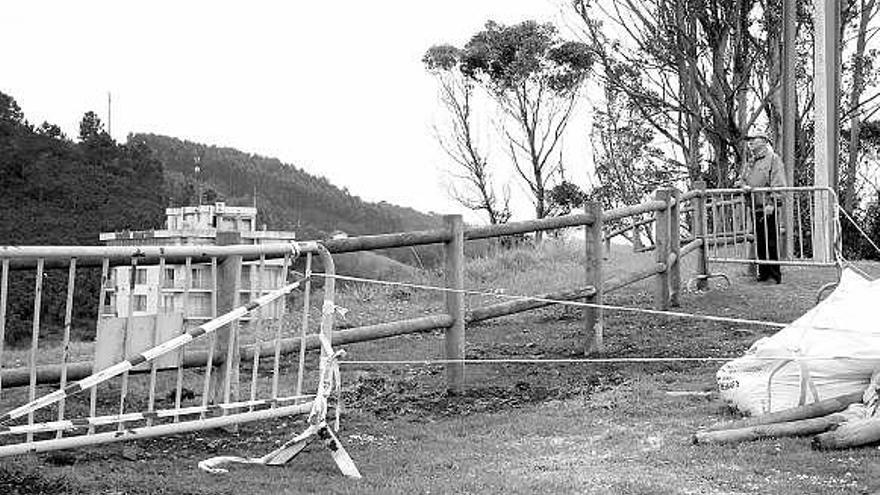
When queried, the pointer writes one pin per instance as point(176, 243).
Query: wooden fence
point(666, 208)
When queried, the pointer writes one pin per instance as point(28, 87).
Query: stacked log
point(809, 419)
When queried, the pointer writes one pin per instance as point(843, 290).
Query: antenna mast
point(109, 121)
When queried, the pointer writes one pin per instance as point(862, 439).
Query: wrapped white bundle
point(831, 350)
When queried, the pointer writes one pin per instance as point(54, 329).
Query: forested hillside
point(286, 196)
point(61, 191)
point(56, 191)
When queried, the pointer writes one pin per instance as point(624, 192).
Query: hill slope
point(287, 196)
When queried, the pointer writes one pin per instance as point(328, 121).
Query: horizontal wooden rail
point(691, 246)
point(47, 374)
point(386, 241)
point(362, 334)
point(693, 193)
point(518, 306)
point(436, 236)
point(524, 227)
point(621, 230)
point(628, 211)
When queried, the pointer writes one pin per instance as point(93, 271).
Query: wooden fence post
point(224, 386)
point(700, 233)
point(455, 334)
point(675, 248)
point(661, 251)
point(593, 264)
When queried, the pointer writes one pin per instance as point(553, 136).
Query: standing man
point(763, 168)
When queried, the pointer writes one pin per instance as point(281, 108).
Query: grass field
point(518, 428)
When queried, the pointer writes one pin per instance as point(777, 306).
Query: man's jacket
point(764, 170)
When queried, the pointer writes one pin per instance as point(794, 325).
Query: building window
point(139, 303)
point(246, 271)
point(227, 223)
point(168, 303)
point(201, 278)
point(169, 278)
point(140, 276)
point(200, 305)
point(110, 306)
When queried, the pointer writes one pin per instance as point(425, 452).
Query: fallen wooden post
point(798, 428)
point(519, 305)
point(618, 283)
point(814, 410)
point(851, 434)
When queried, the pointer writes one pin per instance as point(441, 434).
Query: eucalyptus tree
point(535, 77)
point(473, 185)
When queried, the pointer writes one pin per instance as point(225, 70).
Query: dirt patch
point(389, 399)
point(419, 395)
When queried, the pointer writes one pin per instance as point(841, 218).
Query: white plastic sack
point(831, 350)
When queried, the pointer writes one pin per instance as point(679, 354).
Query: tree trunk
point(774, 79)
point(849, 187)
point(686, 68)
point(540, 212)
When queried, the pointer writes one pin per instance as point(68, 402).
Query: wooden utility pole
point(826, 84)
point(789, 113)
point(109, 116)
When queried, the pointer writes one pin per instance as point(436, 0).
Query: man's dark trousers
point(765, 236)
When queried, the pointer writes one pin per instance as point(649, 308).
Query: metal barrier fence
point(781, 226)
point(802, 228)
point(217, 375)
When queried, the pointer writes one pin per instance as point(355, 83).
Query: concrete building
point(191, 292)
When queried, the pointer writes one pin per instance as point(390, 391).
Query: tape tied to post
point(330, 308)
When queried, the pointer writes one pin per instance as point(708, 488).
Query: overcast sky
point(336, 88)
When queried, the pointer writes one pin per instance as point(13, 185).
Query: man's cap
point(758, 135)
